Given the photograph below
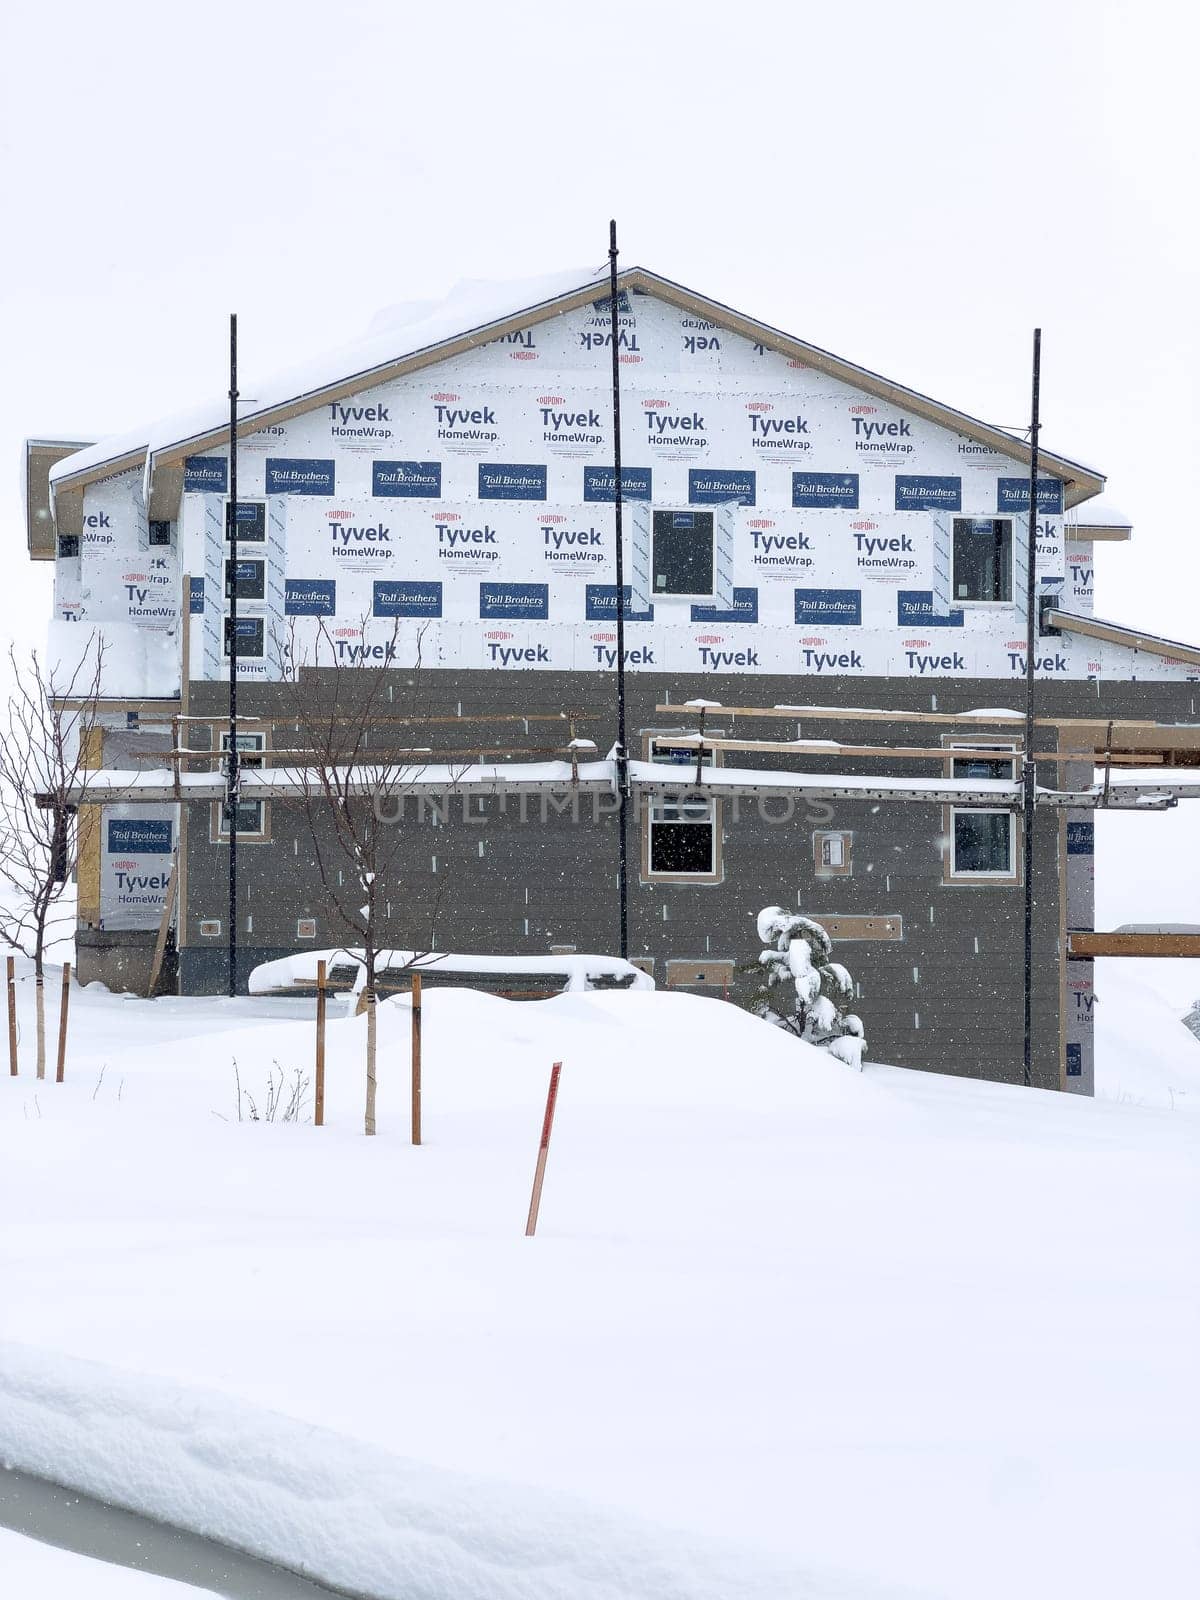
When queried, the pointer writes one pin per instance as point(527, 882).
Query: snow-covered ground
point(787, 1330)
point(1144, 1054)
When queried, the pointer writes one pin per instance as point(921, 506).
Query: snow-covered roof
point(474, 312)
point(1121, 633)
point(393, 335)
point(580, 971)
point(1100, 513)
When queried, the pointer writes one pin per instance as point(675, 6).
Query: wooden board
point(862, 928)
point(699, 974)
point(1085, 945)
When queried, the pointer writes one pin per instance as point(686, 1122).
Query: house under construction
point(824, 648)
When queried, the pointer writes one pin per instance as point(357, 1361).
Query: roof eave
point(1081, 483)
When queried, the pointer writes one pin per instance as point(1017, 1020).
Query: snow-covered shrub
point(801, 988)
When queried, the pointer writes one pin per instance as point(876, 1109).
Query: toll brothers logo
point(290, 475)
point(569, 547)
point(409, 480)
point(569, 430)
point(776, 554)
point(830, 608)
point(359, 545)
point(523, 602)
point(672, 429)
point(776, 433)
point(879, 437)
point(463, 428)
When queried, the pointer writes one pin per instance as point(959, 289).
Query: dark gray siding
point(947, 997)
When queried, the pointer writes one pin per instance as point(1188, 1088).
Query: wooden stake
point(319, 1091)
point(416, 1058)
point(62, 1023)
point(164, 926)
point(543, 1151)
point(12, 1018)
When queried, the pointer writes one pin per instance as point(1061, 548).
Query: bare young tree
point(359, 754)
point(47, 735)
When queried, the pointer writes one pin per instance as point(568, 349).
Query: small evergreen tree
point(802, 989)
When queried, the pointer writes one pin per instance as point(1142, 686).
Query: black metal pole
point(622, 756)
point(1029, 765)
point(231, 768)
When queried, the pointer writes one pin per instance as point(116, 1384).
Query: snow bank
point(892, 1327)
point(139, 662)
point(1145, 1055)
point(342, 1512)
point(581, 972)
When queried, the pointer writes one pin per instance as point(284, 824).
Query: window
point(683, 552)
point(251, 520)
point(831, 854)
point(982, 842)
point(251, 814)
point(250, 577)
point(681, 828)
point(983, 558)
point(249, 633)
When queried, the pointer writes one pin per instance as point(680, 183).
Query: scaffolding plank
point(1085, 945)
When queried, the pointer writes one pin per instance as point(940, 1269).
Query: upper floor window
point(983, 558)
point(250, 522)
point(249, 636)
point(683, 553)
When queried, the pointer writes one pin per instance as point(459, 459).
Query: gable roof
point(477, 314)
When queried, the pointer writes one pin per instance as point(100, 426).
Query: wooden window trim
point(260, 835)
point(717, 875)
point(957, 745)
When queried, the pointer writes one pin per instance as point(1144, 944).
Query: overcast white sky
point(912, 184)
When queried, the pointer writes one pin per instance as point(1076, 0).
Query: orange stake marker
point(543, 1151)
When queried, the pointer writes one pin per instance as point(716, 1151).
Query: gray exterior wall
point(946, 997)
